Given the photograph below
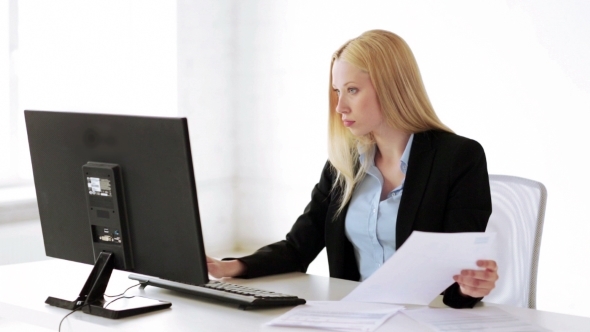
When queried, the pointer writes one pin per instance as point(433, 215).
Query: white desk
point(24, 288)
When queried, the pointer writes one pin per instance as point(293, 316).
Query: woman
point(393, 168)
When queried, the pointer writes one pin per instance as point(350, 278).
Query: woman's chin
point(357, 133)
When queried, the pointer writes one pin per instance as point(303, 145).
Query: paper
point(338, 316)
point(423, 267)
point(479, 319)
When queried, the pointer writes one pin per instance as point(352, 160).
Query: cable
point(76, 309)
point(123, 292)
point(121, 296)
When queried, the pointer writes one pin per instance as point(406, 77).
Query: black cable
point(76, 309)
point(121, 297)
point(82, 306)
point(123, 292)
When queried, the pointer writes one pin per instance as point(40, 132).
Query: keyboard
point(244, 297)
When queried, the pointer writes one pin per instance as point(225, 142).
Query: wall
point(280, 122)
point(104, 57)
point(206, 65)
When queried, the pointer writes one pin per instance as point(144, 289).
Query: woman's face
point(357, 99)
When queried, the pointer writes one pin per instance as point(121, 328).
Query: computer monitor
point(118, 191)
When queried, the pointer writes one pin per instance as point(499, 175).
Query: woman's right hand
point(225, 269)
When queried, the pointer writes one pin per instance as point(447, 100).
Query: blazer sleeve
point(304, 241)
point(469, 205)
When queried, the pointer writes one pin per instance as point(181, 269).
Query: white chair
point(518, 210)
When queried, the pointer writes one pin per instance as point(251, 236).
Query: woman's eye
point(352, 90)
point(337, 91)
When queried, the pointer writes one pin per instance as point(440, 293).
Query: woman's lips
point(347, 123)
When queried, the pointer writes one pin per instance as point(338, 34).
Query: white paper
point(479, 319)
point(338, 316)
point(423, 267)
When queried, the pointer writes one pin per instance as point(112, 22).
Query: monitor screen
point(92, 169)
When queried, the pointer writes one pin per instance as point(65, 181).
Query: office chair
point(518, 210)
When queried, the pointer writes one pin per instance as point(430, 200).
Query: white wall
point(5, 149)
point(512, 75)
point(94, 56)
point(280, 122)
point(206, 64)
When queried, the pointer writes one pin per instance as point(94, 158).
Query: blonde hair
point(404, 103)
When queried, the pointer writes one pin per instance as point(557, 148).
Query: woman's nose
point(341, 106)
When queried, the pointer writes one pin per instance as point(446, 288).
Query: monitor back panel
point(159, 188)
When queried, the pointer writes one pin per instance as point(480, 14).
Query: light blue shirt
point(370, 222)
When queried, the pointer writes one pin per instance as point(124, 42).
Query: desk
point(24, 288)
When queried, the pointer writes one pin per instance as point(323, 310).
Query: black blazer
point(446, 190)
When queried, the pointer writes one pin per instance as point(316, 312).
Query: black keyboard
point(244, 297)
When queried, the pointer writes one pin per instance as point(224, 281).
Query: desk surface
point(24, 288)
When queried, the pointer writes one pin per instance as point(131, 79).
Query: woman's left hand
point(478, 283)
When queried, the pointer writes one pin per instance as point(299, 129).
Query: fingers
point(215, 268)
point(487, 275)
point(474, 287)
point(475, 283)
point(474, 292)
point(211, 260)
point(223, 269)
point(487, 264)
point(478, 283)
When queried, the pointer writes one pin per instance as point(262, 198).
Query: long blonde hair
point(405, 105)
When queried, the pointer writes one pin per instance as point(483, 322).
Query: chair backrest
point(518, 211)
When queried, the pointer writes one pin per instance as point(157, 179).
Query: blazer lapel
point(419, 165)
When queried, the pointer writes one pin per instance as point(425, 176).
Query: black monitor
point(118, 192)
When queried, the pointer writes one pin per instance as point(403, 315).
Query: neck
point(391, 145)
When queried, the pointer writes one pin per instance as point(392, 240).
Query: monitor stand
point(91, 299)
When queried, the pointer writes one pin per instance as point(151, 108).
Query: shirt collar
point(406, 155)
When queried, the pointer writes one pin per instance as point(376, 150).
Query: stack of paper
point(338, 316)
point(480, 319)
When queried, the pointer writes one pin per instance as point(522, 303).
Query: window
point(104, 57)
point(7, 120)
